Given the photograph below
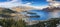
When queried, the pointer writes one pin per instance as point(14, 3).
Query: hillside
point(5, 12)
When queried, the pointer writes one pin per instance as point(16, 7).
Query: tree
point(53, 22)
point(20, 23)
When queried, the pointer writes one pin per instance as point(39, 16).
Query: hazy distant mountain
point(51, 9)
point(21, 8)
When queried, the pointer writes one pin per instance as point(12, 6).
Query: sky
point(30, 3)
point(4, 0)
point(36, 2)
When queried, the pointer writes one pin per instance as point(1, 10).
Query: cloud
point(28, 3)
point(54, 3)
point(15, 3)
point(35, 7)
point(10, 3)
point(49, 0)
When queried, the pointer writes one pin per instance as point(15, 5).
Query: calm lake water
point(43, 15)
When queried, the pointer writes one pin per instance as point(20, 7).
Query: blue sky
point(36, 2)
point(5, 0)
point(33, 3)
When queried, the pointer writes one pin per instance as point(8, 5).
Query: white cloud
point(54, 3)
point(35, 7)
point(49, 0)
point(28, 3)
point(18, 3)
point(10, 3)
